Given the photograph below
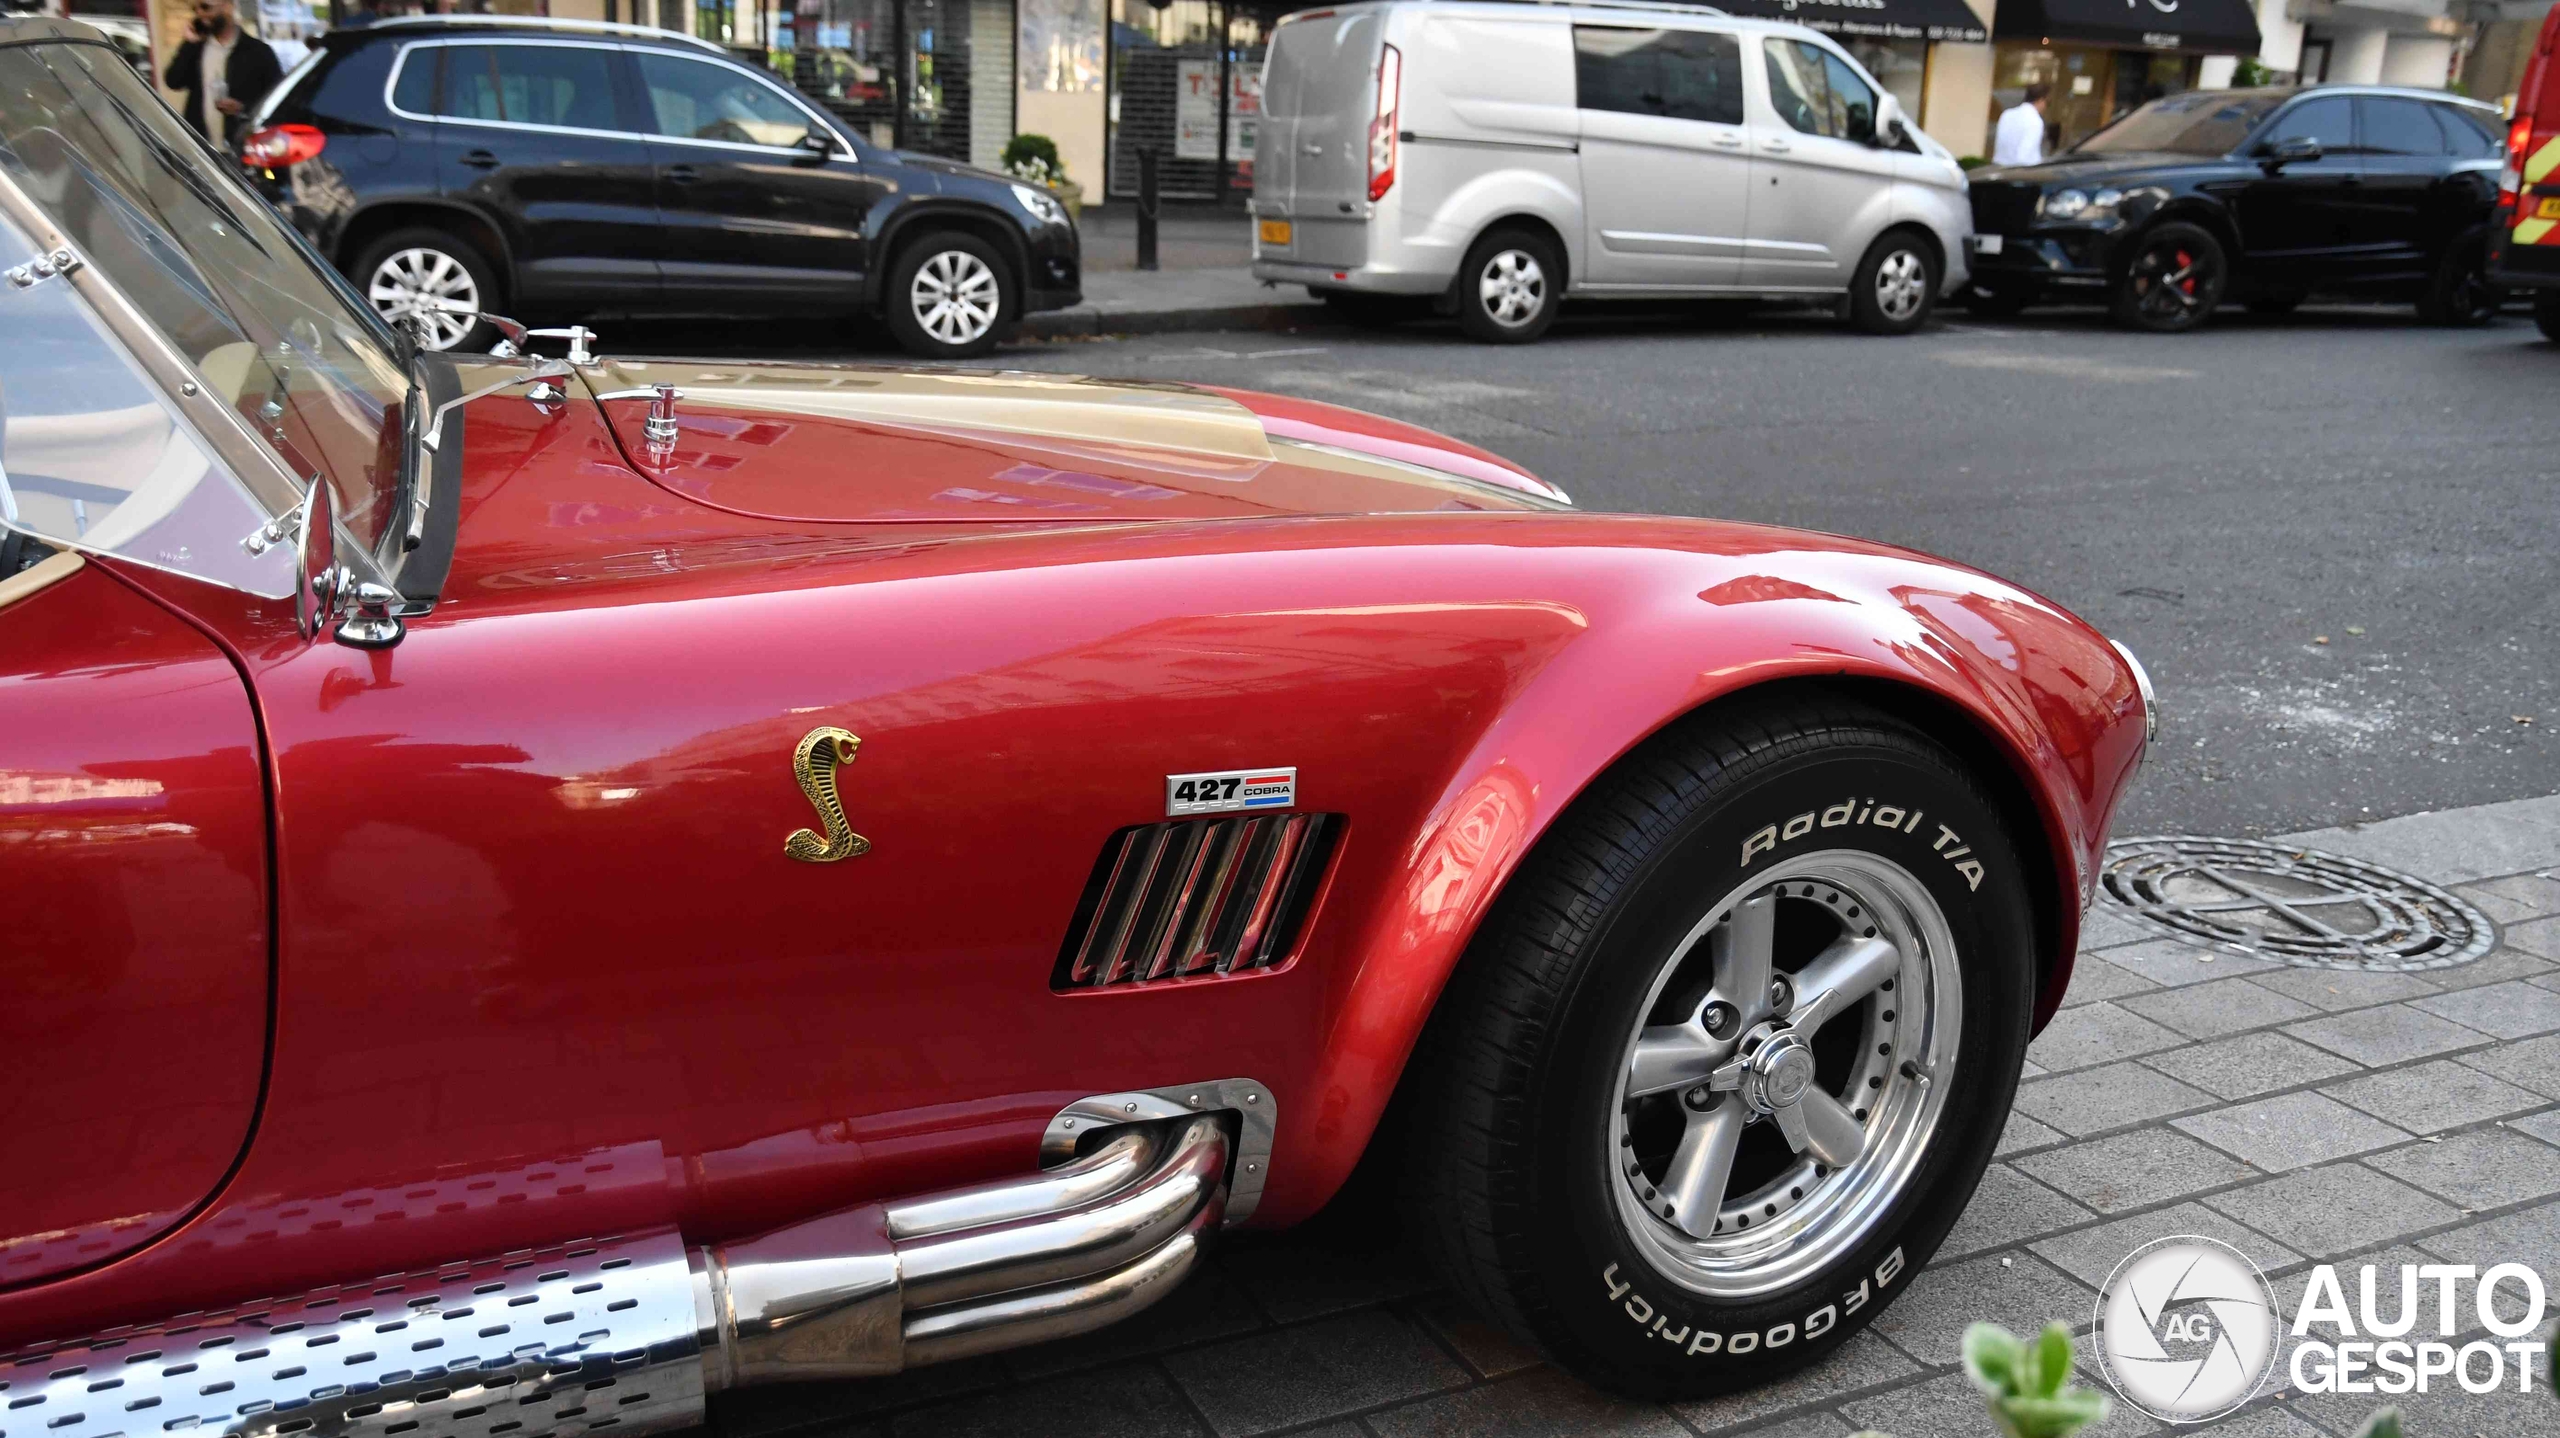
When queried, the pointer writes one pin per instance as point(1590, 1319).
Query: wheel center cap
point(1781, 1070)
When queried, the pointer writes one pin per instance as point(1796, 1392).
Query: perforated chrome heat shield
point(543, 1343)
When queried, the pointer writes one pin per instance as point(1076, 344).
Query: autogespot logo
point(2187, 1329)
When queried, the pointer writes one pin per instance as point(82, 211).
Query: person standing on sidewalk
point(2020, 138)
point(224, 73)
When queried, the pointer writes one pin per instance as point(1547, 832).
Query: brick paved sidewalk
point(2302, 1115)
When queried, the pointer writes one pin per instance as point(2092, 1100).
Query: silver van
point(1490, 158)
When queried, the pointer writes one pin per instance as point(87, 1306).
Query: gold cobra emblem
point(815, 762)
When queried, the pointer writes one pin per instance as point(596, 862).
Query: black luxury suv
point(455, 165)
point(2263, 196)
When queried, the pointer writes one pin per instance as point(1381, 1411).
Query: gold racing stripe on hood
point(1118, 414)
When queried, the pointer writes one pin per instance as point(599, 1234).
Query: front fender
point(2044, 690)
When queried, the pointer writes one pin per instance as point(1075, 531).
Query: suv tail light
point(279, 147)
point(1382, 130)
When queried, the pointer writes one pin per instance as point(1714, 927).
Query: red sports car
point(537, 889)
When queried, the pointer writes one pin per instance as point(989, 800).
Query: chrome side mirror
point(315, 587)
point(2292, 150)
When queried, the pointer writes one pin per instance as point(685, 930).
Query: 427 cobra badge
point(1229, 791)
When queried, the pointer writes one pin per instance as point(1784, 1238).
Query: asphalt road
point(2332, 537)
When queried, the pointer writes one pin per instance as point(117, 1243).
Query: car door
point(133, 878)
point(1816, 168)
point(2405, 163)
point(755, 219)
point(1666, 166)
point(2300, 217)
point(534, 134)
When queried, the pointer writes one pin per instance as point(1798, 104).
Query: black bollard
point(1147, 208)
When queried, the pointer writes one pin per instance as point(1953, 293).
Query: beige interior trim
point(44, 574)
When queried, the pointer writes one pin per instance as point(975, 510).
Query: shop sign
point(1195, 110)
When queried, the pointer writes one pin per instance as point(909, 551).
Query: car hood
point(859, 443)
point(2092, 169)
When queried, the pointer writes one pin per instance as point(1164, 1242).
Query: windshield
point(2200, 122)
point(95, 453)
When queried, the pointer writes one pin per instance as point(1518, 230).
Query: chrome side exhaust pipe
point(634, 1331)
point(877, 1290)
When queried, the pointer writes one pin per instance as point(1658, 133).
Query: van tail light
point(1382, 130)
point(279, 147)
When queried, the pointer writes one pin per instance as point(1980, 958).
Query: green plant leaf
point(1992, 1356)
point(2057, 1416)
point(2049, 1363)
point(2385, 1423)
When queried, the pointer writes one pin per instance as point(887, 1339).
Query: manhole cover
point(2293, 906)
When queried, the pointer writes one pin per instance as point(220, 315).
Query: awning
point(1874, 19)
point(2210, 27)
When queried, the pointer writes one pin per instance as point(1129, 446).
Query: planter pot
point(1071, 195)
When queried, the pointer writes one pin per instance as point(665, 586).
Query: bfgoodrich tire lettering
point(1535, 1171)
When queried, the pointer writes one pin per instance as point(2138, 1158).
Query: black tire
point(2172, 280)
point(2459, 293)
point(2546, 313)
point(423, 254)
point(1510, 287)
point(1996, 302)
point(1512, 1181)
point(950, 296)
point(1371, 312)
point(1895, 287)
point(2274, 306)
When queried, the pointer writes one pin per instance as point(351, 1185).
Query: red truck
point(2524, 236)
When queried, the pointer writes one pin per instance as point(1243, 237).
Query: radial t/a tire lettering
point(1730, 1055)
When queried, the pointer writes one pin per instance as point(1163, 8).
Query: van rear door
point(1311, 157)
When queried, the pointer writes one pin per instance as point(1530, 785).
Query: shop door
point(1666, 159)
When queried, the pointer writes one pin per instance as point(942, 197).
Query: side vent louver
point(1193, 897)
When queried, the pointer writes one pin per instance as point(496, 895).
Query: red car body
point(487, 940)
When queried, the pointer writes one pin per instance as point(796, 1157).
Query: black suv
point(451, 165)
point(2261, 195)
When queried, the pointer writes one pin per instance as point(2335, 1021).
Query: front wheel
point(2173, 281)
point(2546, 313)
point(2459, 293)
point(1510, 287)
point(1731, 1054)
point(950, 296)
point(1895, 286)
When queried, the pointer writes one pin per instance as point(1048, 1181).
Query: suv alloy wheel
point(950, 297)
point(432, 285)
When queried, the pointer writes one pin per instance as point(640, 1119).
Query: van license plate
point(1275, 232)
point(2549, 209)
point(1986, 244)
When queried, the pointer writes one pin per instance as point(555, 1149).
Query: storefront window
point(1901, 66)
point(863, 58)
point(2092, 86)
point(1168, 82)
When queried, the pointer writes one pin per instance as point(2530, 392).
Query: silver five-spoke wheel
point(955, 297)
point(428, 291)
point(1902, 282)
point(1513, 286)
point(1783, 1082)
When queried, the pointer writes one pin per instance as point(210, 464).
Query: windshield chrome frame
point(223, 429)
